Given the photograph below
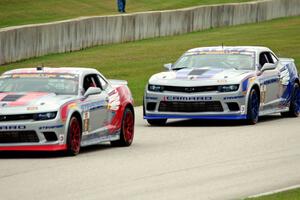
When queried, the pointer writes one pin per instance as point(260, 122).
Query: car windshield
point(238, 61)
point(60, 84)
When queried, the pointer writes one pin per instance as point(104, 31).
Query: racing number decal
point(263, 94)
point(86, 122)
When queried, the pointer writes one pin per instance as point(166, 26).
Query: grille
point(50, 136)
point(151, 106)
point(199, 106)
point(233, 106)
point(18, 137)
point(191, 89)
point(5, 118)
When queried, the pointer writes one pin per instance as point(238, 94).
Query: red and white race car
point(53, 109)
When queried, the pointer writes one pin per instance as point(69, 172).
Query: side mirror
point(168, 66)
point(92, 91)
point(268, 66)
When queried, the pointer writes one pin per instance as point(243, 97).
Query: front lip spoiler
point(221, 117)
point(34, 148)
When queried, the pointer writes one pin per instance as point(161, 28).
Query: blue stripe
point(226, 117)
point(245, 85)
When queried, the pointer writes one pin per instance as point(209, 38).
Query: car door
point(269, 82)
point(94, 108)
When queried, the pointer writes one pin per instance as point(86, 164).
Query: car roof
point(230, 48)
point(56, 70)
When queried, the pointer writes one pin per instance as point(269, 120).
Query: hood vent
point(197, 72)
point(12, 97)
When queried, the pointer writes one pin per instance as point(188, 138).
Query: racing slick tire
point(74, 137)
point(294, 109)
point(127, 130)
point(253, 108)
point(157, 122)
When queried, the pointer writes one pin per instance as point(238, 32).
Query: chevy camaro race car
point(223, 83)
point(52, 109)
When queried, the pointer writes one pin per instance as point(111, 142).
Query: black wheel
point(294, 109)
point(253, 107)
point(74, 137)
point(127, 130)
point(157, 122)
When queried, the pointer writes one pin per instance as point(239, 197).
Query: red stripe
point(35, 148)
point(27, 98)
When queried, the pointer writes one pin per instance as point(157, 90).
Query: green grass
point(19, 12)
point(288, 195)
point(137, 61)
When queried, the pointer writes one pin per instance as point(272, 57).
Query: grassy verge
point(288, 195)
point(18, 12)
point(137, 61)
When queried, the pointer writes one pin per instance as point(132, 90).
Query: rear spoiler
point(287, 60)
point(118, 82)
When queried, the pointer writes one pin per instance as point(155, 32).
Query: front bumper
point(202, 105)
point(29, 135)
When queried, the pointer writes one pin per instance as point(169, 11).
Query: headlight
point(156, 88)
point(44, 116)
point(228, 88)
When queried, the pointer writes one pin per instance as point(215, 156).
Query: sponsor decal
point(50, 127)
point(32, 108)
point(218, 51)
point(243, 109)
point(235, 97)
point(270, 81)
point(42, 75)
point(93, 106)
point(86, 123)
point(13, 127)
point(114, 102)
point(182, 98)
point(151, 98)
point(222, 81)
point(61, 139)
point(263, 90)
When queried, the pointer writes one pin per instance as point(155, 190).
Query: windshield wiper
point(179, 68)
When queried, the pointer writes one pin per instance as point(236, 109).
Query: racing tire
point(127, 130)
point(294, 109)
point(74, 137)
point(253, 108)
point(157, 122)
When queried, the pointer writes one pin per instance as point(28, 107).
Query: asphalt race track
point(184, 160)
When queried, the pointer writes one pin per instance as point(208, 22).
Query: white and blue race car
point(241, 82)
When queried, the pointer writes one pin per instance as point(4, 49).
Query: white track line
point(275, 191)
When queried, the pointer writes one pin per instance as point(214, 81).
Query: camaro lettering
point(178, 98)
point(13, 127)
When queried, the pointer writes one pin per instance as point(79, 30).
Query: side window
point(269, 57)
point(263, 59)
point(90, 81)
point(103, 82)
point(274, 58)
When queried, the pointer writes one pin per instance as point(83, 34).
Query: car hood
point(203, 76)
point(30, 102)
